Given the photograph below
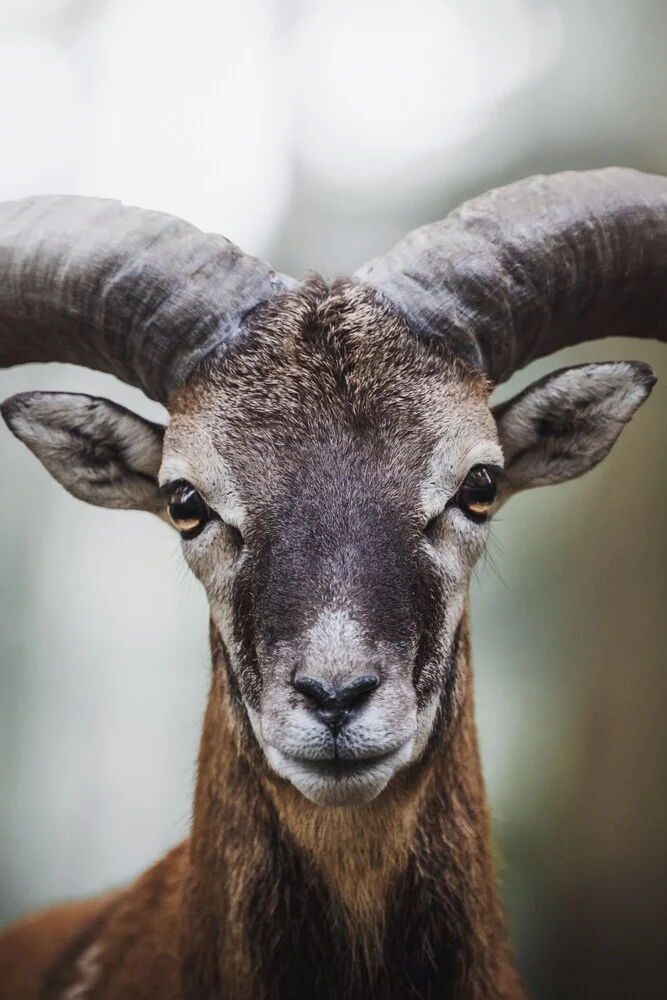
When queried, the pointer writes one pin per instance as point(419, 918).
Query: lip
point(340, 781)
point(343, 767)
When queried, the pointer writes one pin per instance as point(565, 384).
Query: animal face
point(332, 449)
point(333, 479)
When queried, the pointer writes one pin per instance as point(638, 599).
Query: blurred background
point(315, 133)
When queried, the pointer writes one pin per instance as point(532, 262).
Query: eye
point(187, 511)
point(477, 493)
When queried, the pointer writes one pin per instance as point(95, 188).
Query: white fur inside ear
point(566, 423)
point(99, 451)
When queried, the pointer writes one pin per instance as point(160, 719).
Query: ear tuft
point(15, 409)
point(99, 451)
point(563, 425)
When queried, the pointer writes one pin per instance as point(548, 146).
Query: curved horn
point(139, 294)
point(541, 264)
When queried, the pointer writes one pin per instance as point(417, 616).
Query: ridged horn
point(142, 295)
point(526, 269)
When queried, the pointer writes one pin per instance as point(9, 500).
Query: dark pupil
point(187, 506)
point(479, 487)
point(480, 479)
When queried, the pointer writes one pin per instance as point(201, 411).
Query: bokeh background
point(315, 133)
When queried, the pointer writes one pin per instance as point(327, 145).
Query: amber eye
point(187, 511)
point(477, 493)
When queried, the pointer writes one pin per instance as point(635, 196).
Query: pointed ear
point(563, 425)
point(99, 451)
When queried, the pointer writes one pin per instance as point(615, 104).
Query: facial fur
point(318, 474)
point(329, 440)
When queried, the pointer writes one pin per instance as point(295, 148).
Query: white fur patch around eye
point(448, 466)
point(207, 471)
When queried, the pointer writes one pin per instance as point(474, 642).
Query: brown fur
point(337, 435)
point(338, 439)
point(34, 944)
point(188, 927)
point(274, 897)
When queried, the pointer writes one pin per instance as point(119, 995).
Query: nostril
point(356, 689)
point(322, 693)
point(334, 705)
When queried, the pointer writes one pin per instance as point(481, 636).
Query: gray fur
point(330, 440)
point(332, 427)
point(565, 424)
point(99, 451)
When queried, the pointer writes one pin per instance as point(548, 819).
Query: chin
point(340, 782)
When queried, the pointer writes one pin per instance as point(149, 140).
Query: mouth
point(338, 781)
point(339, 767)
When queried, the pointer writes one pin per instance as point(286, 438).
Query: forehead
point(326, 379)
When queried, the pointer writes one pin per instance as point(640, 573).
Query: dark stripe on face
point(248, 674)
point(322, 553)
point(429, 673)
point(221, 661)
point(448, 677)
point(318, 558)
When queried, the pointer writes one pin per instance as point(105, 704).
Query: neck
point(395, 898)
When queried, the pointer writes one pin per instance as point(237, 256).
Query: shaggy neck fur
point(394, 899)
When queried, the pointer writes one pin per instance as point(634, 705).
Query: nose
point(334, 705)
